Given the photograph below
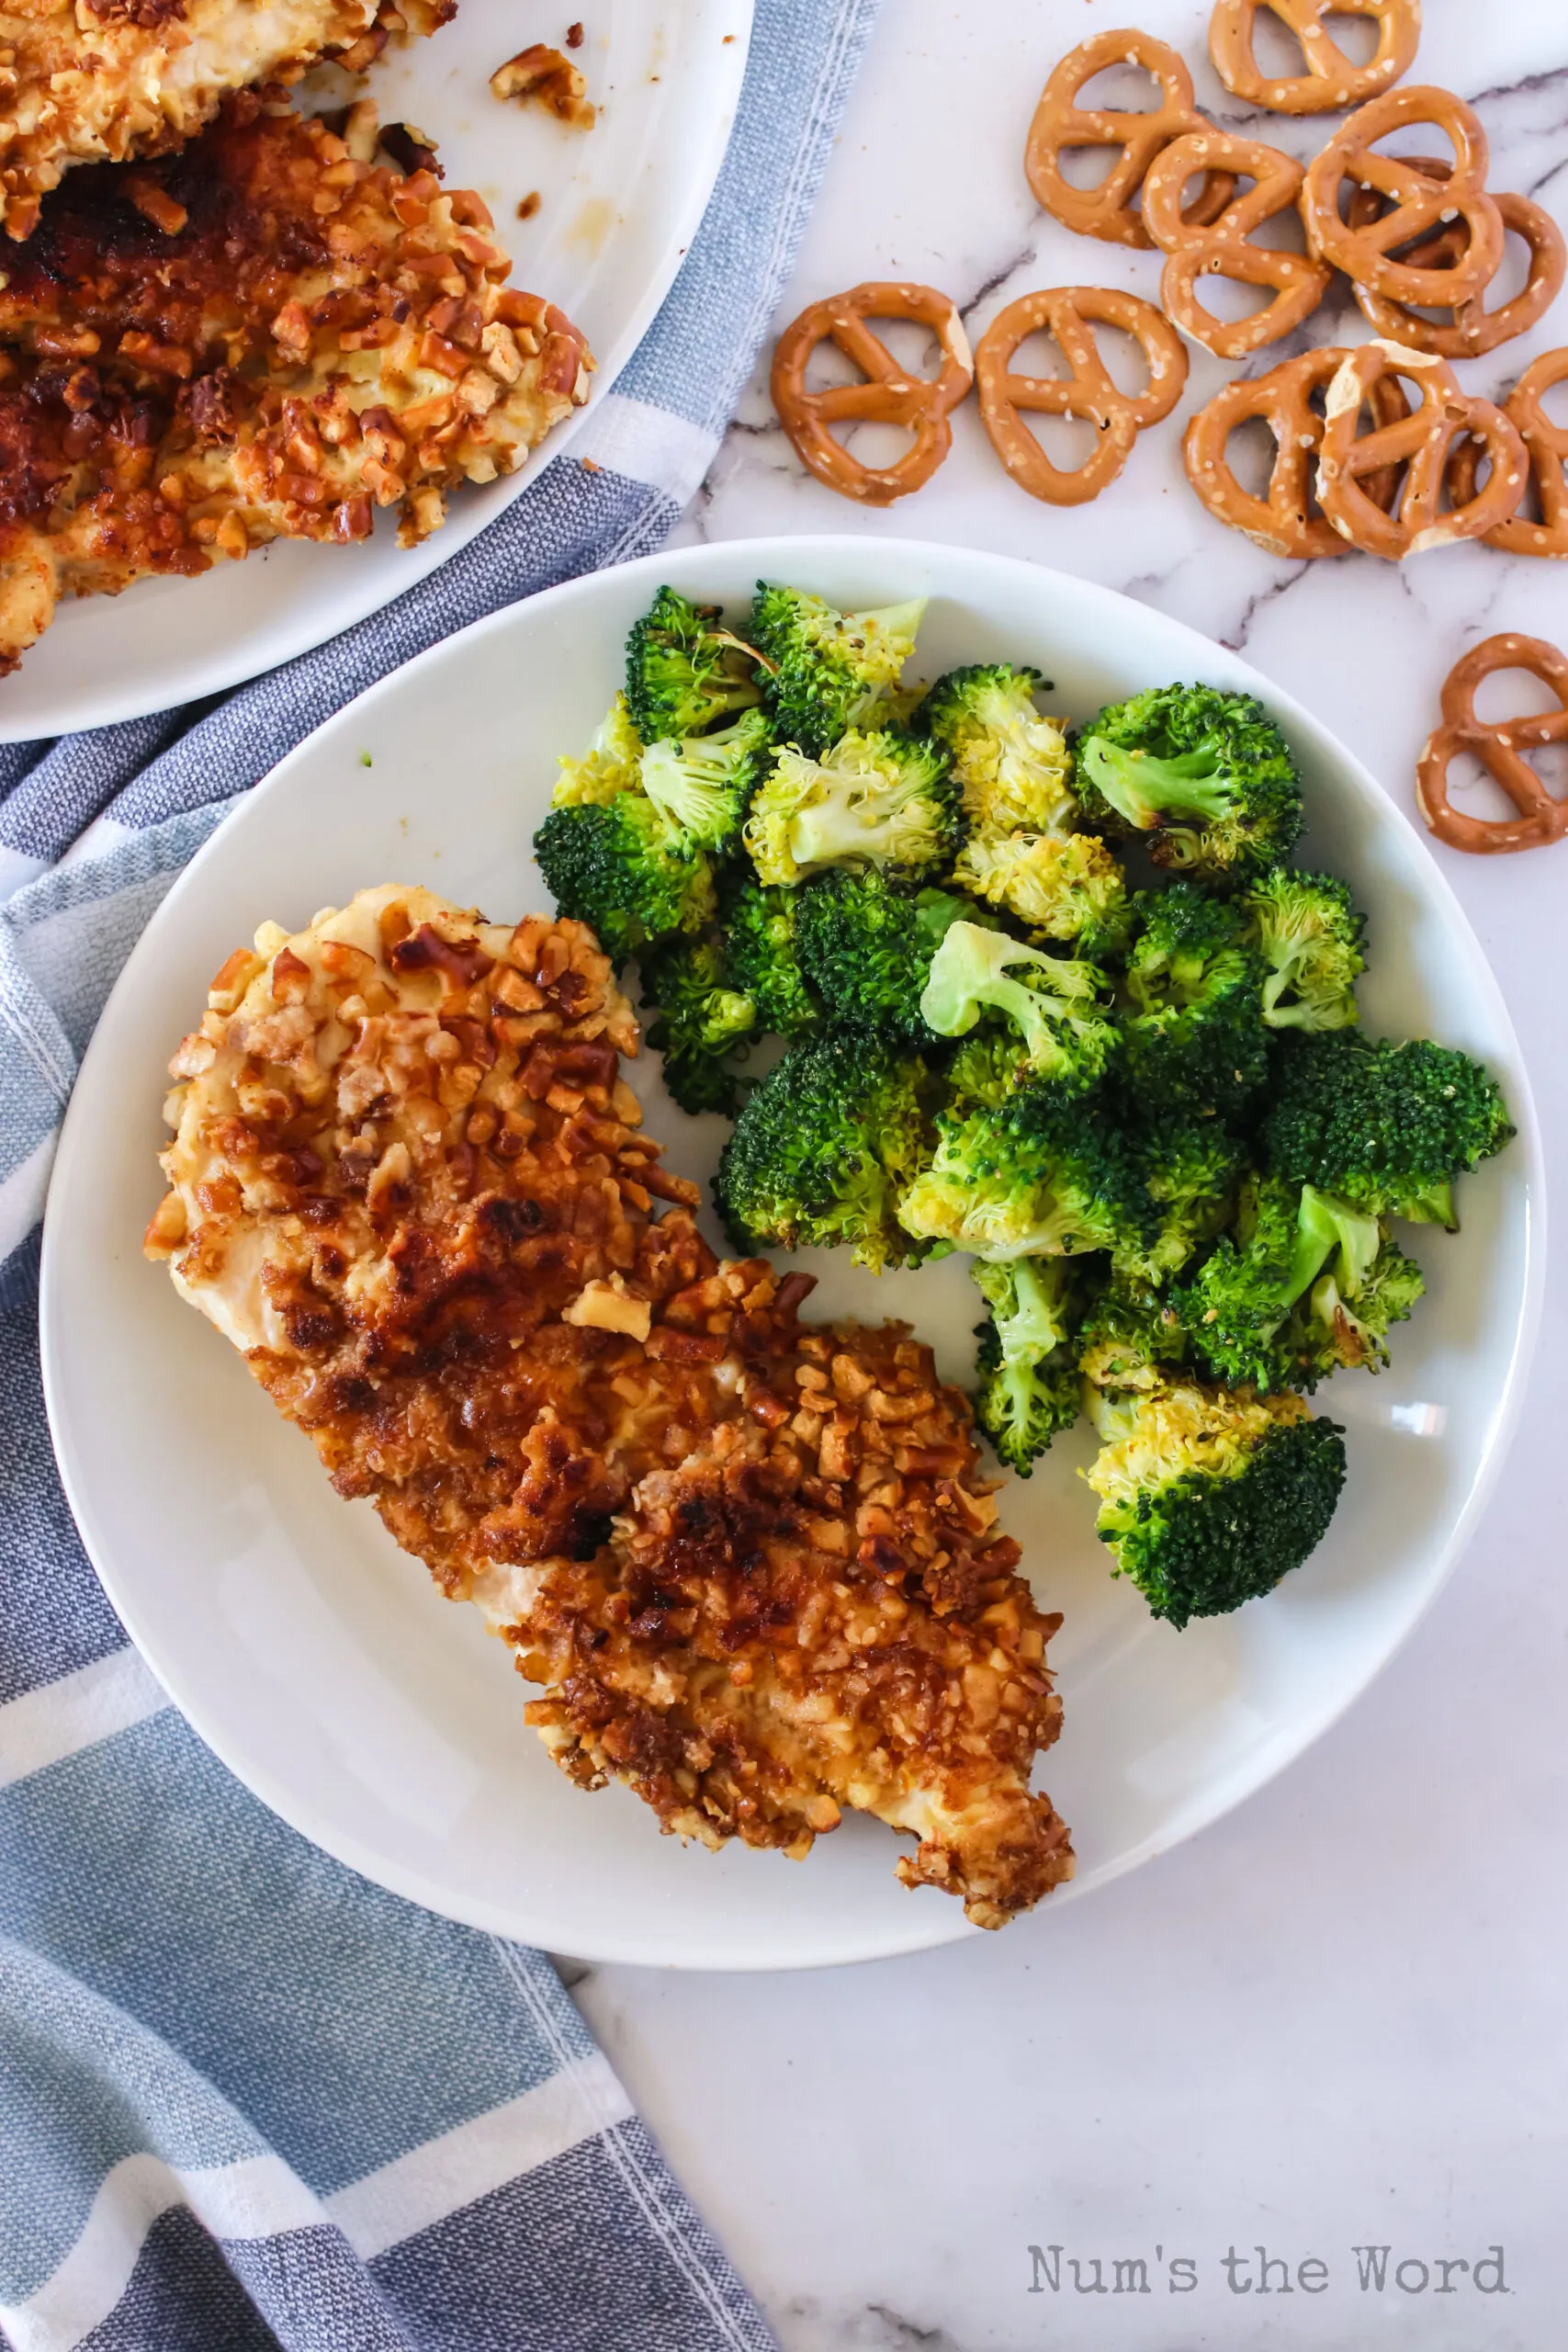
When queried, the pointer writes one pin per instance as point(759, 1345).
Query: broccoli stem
point(1143, 789)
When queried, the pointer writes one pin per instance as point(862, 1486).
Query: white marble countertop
point(1336, 2020)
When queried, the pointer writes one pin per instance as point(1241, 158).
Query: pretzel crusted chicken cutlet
point(748, 1558)
point(267, 335)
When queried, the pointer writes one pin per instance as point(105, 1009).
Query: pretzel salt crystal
point(1475, 329)
point(1067, 312)
point(890, 395)
point(1546, 446)
point(1423, 442)
point(1499, 745)
point(1283, 522)
point(1224, 249)
point(1331, 79)
point(1417, 205)
point(1059, 122)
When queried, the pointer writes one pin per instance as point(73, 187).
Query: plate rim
point(115, 708)
point(936, 1928)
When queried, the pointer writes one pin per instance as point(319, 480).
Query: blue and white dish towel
point(247, 2100)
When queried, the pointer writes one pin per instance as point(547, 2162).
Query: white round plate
point(380, 1720)
point(619, 206)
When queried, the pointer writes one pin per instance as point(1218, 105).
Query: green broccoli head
point(1194, 1033)
point(829, 671)
point(822, 1148)
point(1310, 934)
point(704, 783)
point(701, 1021)
point(1028, 1386)
point(1385, 1126)
point(686, 671)
point(619, 867)
point(1191, 1169)
point(608, 767)
point(1038, 1178)
point(1130, 1339)
point(1248, 1307)
point(1013, 768)
point(866, 943)
point(763, 956)
point(1063, 886)
point(1207, 774)
point(1049, 1007)
point(870, 800)
point(1209, 1496)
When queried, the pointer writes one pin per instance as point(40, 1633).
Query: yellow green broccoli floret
point(1045, 1017)
point(1028, 1384)
point(686, 671)
point(880, 800)
point(609, 766)
point(1206, 775)
point(831, 672)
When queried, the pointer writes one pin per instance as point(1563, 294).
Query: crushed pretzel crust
point(267, 335)
point(748, 1559)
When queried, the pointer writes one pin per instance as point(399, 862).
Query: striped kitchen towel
point(247, 2100)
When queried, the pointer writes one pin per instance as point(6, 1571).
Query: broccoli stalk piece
point(686, 671)
point(1191, 1169)
point(1029, 1387)
point(872, 800)
point(763, 956)
point(1052, 1004)
point(701, 1021)
point(829, 672)
point(1210, 1497)
point(703, 783)
point(822, 1148)
point(1384, 1127)
point(1034, 1179)
point(1207, 774)
point(866, 943)
point(609, 766)
point(618, 866)
point(1310, 934)
point(1195, 1038)
point(1131, 1338)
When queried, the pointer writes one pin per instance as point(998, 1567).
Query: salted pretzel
point(1546, 446)
point(1059, 122)
point(1475, 329)
point(1282, 521)
point(1067, 313)
point(1421, 442)
point(1332, 79)
point(1224, 248)
point(890, 395)
point(1417, 205)
point(1500, 746)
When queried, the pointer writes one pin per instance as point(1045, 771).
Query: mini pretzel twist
point(1546, 446)
point(1475, 329)
point(890, 395)
point(1421, 442)
point(1224, 249)
point(1417, 205)
point(1499, 745)
point(1106, 210)
point(1331, 79)
point(1065, 312)
point(1282, 521)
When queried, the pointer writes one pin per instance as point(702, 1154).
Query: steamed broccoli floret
point(1013, 768)
point(1131, 1338)
point(1029, 1386)
point(872, 800)
point(822, 1148)
point(1258, 1311)
point(1308, 933)
point(1386, 1126)
point(609, 766)
point(830, 671)
point(1067, 887)
point(1194, 1028)
point(1056, 1025)
point(1209, 1497)
point(703, 783)
point(763, 956)
point(1035, 1179)
point(684, 670)
point(701, 1021)
point(618, 866)
point(866, 944)
point(1191, 1169)
point(1207, 774)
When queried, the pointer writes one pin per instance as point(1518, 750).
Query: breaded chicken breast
point(267, 335)
point(748, 1559)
